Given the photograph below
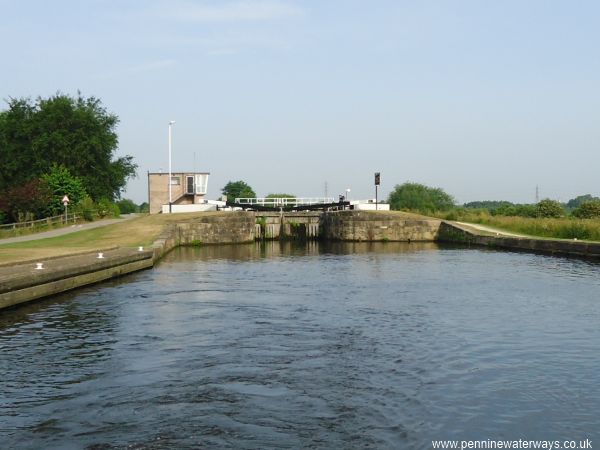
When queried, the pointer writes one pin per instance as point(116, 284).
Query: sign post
point(377, 183)
point(65, 201)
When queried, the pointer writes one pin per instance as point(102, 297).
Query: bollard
point(100, 255)
point(39, 266)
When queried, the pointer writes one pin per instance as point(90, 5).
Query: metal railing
point(275, 202)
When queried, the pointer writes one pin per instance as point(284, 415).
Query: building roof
point(178, 173)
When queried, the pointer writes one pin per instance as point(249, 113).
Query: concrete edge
point(23, 288)
point(16, 297)
point(50, 258)
point(71, 266)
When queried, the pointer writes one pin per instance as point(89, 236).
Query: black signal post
point(377, 183)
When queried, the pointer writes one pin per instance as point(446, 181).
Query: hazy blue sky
point(485, 99)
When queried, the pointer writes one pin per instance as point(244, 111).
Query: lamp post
point(170, 145)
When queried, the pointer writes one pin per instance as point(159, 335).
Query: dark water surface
point(345, 346)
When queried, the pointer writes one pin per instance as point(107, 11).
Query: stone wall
point(229, 228)
point(378, 226)
point(450, 232)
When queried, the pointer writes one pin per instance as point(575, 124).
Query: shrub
point(86, 208)
point(588, 210)
point(144, 207)
point(418, 197)
point(60, 182)
point(106, 208)
point(550, 208)
point(127, 206)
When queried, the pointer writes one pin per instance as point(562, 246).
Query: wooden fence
point(19, 228)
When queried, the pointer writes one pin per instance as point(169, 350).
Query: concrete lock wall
point(231, 228)
point(380, 226)
point(341, 225)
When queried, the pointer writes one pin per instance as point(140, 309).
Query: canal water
point(309, 346)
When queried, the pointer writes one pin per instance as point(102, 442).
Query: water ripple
point(357, 346)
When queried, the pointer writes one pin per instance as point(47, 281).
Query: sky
point(486, 99)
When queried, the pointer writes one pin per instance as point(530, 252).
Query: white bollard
point(39, 266)
point(100, 255)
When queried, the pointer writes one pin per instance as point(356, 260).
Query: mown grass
point(141, 231)
point(563, 228)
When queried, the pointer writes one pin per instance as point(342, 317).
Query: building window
point(201, 183)
point(175, 181)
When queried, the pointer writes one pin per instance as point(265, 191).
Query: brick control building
point(186, 188)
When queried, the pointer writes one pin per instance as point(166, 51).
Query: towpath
point(487, 229)
point(66, 230)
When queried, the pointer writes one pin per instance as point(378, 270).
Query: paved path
point(66, 230)
point(489, 229)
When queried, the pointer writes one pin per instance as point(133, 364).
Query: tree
point(526, 210)
point(238, 189)
point(280, 196)
point(550, 208)
point(77, 133)
point(60, 182)
point(579, 200)
point(418, 197)
point(588, 210)
point(488, 204)
point(127, 206)
point(29, 201)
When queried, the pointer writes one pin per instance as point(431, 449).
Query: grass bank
point(564, 228)
point(130, 233)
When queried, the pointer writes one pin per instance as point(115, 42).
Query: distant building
point(369, 205)
point(187, 188)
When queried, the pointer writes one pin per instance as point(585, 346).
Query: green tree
point(549, 208)
point(60, 182)
point(579, 200)
point(238, 189)
point(75, 132)
point(127, 206)
point(526, 210)
point(418, 197)
point(588, 210)
point(280, 196)
point(488, 204)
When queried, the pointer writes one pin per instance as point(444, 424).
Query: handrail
point(72, 217)
point(285, 201)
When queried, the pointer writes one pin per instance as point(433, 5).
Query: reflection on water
point(320, 346)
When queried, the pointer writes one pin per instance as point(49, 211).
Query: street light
point(348, 195)
point(170, 145)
